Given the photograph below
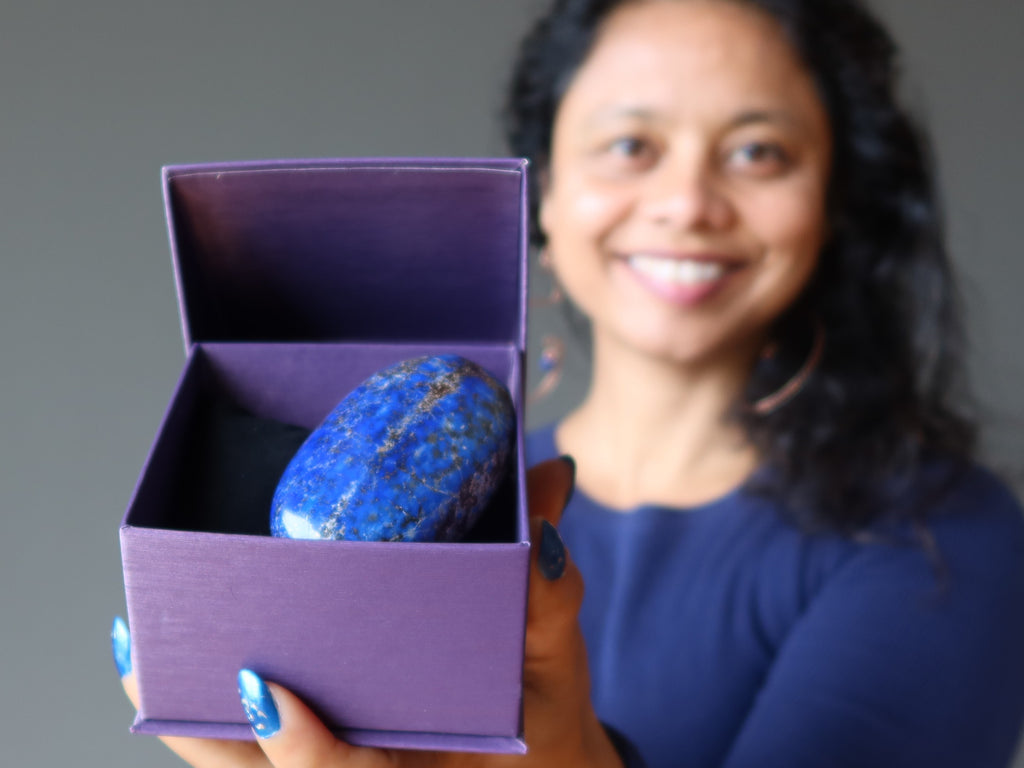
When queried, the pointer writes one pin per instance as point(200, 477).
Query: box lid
point(350, 249)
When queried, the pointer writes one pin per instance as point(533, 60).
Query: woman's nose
point(685, 194)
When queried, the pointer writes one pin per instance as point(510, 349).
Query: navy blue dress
point(722, 637)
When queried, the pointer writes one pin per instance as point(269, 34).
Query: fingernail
point(258, 704)
point(551, 556)
point(121, 645)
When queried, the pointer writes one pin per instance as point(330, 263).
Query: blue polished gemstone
point(413, 454)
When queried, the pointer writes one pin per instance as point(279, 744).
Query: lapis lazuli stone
point(412, 454)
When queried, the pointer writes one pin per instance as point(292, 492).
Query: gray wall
point(96, 96)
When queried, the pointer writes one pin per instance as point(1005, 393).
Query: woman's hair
point(886, 393)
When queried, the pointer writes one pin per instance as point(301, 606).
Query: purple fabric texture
point(296, 280)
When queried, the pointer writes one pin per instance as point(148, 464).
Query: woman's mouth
point(681, 280)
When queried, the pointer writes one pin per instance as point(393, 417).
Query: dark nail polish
point(551, 555)
point(258, 704)
point(121, 645)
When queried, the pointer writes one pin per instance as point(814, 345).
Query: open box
point(297, 280)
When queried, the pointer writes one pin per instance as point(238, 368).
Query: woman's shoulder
point(964, 541)
point(956, 520)
point(972, 505)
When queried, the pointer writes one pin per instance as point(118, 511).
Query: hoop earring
point(555, 295)
point(771, 403)
point(552, 355)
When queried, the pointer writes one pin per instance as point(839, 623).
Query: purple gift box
point(296, 280)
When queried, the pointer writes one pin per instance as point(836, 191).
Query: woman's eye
point(627, 155)
point(765, 158)
point(628, 146)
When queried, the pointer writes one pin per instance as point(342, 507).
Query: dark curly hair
point(879, 405)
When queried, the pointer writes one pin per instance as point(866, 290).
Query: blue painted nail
point(551, 556)
point(258, 704)
point(121, 645)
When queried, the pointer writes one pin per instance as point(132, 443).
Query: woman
point(783, 542)
point(789, 558)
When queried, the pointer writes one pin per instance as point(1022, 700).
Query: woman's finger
point(553, 639)
point(291, 735)
point(560, 724)
point(200, 753)
point(556, 586)
point(549, 486)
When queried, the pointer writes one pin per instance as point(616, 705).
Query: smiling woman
point(774, 481)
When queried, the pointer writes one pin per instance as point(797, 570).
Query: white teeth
point(681, 272)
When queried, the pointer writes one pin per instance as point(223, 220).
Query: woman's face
point(684, 204)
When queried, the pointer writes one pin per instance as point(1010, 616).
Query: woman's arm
point(894, 665)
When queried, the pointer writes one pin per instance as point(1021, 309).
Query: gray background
point(96, 96)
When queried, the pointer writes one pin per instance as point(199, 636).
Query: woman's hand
point(561, 727)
